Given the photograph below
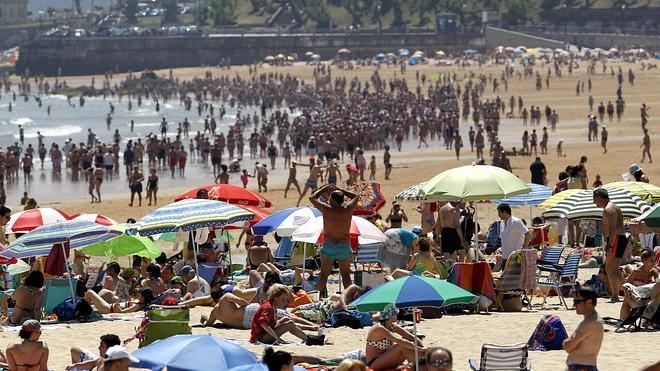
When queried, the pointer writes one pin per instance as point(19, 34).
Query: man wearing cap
point(337, 219)
point(117, 358)
point(195, 286)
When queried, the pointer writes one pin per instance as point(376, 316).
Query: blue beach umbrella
point(404, 52)
point(285, 221)
point(381, 56)
point(470, 51)
point(538, 194)
point(193, 352)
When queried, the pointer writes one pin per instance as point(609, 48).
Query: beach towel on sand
point(548, 335)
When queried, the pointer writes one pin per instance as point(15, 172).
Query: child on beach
point(598, 183)
point(372, 168)
point(245, 177)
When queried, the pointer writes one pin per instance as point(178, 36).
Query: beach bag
point(65, 311)
point(315, 340)
point(549, 334)
point(83, 311)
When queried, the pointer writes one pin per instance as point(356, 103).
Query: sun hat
point(388, 312)
point(117, 352)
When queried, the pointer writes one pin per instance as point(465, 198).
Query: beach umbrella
point(254, 367)
point(470, 51)
point(557, 197)
point(473, 183)
point(269, 58)
point(411, 194)
point(230, 194)
point(309, 54)
point(361, 230)
point(614, 50)
point(124, 245)
point(285, 222)
point(581, 206)
point(188, 215)
point(647, 192)
point(258, 212)
point(413, 292)
point(19, 267)
point(440, 54)
point(521, 47)
point(371, 197)
point(193, 352)
point(25, 221)
point(404, 52)
point(94, 218)
point(316, 57)
point(343, 51)
point(381, 56)
point(280, 56)
point(651, 217)
point(171, 236)
point(538, 194)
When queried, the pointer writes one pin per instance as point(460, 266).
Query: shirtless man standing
point(315, 172)
point(337, 217)
point(583, 346)
point(646, 146)
point(135, 185)
point(458, 143)
point(451, 238)
point(615, 236)
point(332, 172)
point(292, 178)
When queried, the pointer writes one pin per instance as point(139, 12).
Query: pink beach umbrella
point(25, 221)
point(94, 218)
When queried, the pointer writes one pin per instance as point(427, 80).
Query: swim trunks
point(581, 368)
point(336, 250)
point(617, 245)
point(136, 188)
point(332, 180)
point(450, 240)
point(311, 184)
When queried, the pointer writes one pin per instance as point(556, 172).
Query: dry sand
point(463, 334)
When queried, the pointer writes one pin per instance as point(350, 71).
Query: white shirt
point(512, 234)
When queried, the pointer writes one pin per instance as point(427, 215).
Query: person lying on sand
point(145, 296)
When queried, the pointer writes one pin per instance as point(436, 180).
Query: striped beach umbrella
point(360, 230)
point(581, 206)
point(647, 192)
point(25, 221)
point(411, 194)
point(94, 218)
point(538, 194)
point(189, 214)
point(557, 197)
point(40, 241)
point(285, 221)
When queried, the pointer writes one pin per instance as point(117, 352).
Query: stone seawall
point(97, 55)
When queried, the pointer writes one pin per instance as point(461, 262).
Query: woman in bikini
point(29, 298)
point(420, 262)
point(388, 345)
point(144, 298)
point(30, 354)
point(153, 280)
point(642, 275)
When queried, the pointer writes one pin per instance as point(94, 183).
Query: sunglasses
point(440, 362)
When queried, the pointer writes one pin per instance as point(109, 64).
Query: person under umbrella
point(388, 344)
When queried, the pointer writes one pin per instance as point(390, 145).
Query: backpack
point(65, 311)
point(549, 334)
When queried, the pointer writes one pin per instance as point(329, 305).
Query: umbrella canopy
point(440, 53)
point(404, 52)
point(94, 218)
point(259, 215)
point(193, 352)
point(470, 51)
point(538, 194)
point(411, 194)
point(557, 197)
point(413, 291)
point(581, 206)
point(343, 51)
point(269, 58)
point(230, 194)
point(371, 197)
point(647, 192)
point(361, 229)
point(309, 53)
point(381, 56)
point(28, 220)
point(124, 245)
point(78, 233)
point(187, 215)
point(474, 183)
point(651, 218)
point(286, 221)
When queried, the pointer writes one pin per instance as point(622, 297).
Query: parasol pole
point(68, 272)
point(415, 338)
point(195, 252)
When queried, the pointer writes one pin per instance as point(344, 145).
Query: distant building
point(13, 11)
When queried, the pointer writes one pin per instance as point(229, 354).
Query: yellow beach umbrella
point(440, 53)
point(280, 56)
point(645, 191)
point(558, 197)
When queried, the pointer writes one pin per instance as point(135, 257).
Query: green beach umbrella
point(124, 245)
point(651, 218)
point(473, 183)
point(413, 291)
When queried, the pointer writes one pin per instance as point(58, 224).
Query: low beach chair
point(57, 290)
point(367, 256)
point(561, 276)
point(502, 357)
point(165, 321)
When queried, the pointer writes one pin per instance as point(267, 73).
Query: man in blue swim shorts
point(315, 173)
point(337, 218)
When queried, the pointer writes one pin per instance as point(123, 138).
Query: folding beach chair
point(644, 313)
point(502, 357)
point(291, 253)
point(551, 257)
point(165, 321)
point(57, 290)
point(367, 256)
point(561, 276)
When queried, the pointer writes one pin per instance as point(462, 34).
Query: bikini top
point(382, 344)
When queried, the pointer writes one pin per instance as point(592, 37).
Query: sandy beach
point(463, 334)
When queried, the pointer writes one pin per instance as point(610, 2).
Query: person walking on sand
point(615, 237)
point(152, 187)
point(646, 146)
point(584, 344)
point(332, 173)
point(337, 219)
point(135, 185)
point(458, 143)
point(98, 180)
point(603, 138)
point(387, 161)
point(293, 171)
point(315, 173)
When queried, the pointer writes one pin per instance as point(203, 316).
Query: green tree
point(520, 11)
point(221, 12)
point(318, 12)
point(398, 14)
point(171, 11)
point(551, 4)
point(130, 8)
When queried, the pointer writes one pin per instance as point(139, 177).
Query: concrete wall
point(96, 55)
point(606, 41)
point(500, 37)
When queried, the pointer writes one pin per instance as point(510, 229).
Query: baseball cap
point(176, 279)
point(116, 352)
point(187, 270)
point(417, 230)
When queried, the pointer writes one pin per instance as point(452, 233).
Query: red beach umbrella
point(94, 218)
point(25, 221)
point(229, 193)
